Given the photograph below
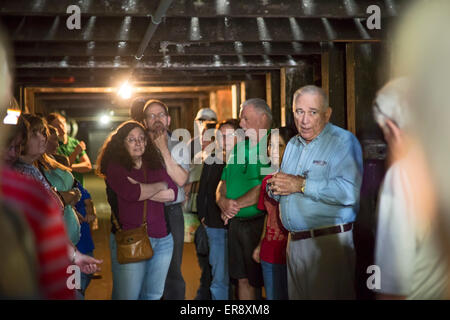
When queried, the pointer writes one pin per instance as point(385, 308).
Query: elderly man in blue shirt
point(318, 189)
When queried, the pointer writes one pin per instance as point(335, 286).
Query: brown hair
point(53, 116)
point(20, 129)
point(37, 124)
point(230, 122)
point(113, 150)
point(48, 163)
point(137, 109)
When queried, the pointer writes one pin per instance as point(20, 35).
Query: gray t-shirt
point(181, 155)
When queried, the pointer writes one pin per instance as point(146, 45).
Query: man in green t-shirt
point(72, 148)
point(238, 193)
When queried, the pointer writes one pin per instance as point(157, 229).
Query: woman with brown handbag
point(133, 169)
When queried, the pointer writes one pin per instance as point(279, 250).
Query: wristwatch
point(302, 188)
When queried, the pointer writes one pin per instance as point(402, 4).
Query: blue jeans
point(275, 280)
point(218, 259)
point(142, 280)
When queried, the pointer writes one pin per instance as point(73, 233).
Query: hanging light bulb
point(104, 119)
point(125, 90)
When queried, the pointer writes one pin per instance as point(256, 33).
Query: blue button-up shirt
point(332, 163)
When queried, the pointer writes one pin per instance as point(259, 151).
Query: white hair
point(314, 90)
point(391, 102)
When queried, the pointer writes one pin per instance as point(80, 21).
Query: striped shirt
point(44, 216)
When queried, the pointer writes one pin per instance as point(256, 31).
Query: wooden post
point(325, 63)
point(269, 89)
point(243, 93)
point(275, 98)
point(351, 99)
point(234, 101)
point(283, 96)
point(333, 81)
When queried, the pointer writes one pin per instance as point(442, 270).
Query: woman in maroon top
point(134, 171)
point(271, 251)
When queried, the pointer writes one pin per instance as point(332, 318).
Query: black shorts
point(243, 237)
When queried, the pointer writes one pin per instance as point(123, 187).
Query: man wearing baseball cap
point(204, 114)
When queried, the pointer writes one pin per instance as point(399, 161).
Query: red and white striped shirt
point(45, 218)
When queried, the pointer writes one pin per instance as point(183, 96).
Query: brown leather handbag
point(133, 245)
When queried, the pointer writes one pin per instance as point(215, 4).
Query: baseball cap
point(206, 114)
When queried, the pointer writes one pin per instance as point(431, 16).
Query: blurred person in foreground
point(412, 265)
point(43, 215)
point(423, 56)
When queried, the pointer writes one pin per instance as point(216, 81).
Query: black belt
point(321, 232)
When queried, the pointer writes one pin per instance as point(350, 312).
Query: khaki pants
point(322, 267)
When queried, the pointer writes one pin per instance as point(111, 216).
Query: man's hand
point(284, 184)
point(224, 218)
point(159, 139)
point(256, 252)
point(229, 207)
point(78, 149)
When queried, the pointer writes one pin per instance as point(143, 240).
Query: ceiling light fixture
point(126, 90)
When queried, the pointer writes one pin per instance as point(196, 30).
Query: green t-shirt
point(244, 172)
point(67, 149)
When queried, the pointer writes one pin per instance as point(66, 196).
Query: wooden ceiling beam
point(173, 63)
point(129, 49)
point(204, 8)
point(203, 30)
point(142, 74)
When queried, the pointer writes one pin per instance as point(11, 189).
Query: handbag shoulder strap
point(115, 221)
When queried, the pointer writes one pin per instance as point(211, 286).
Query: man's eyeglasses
point(135, 141)
point(153, 116)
